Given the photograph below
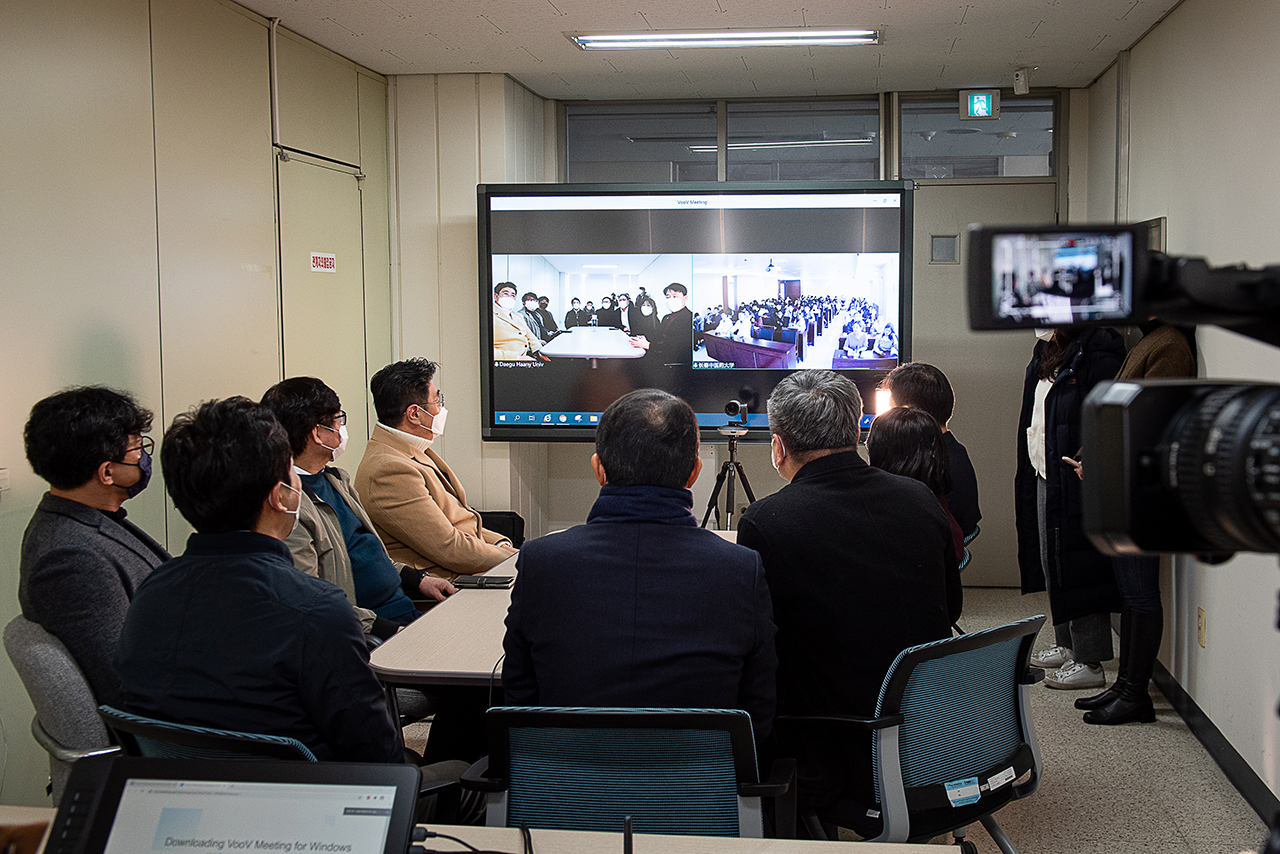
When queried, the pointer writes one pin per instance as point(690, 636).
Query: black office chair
point(951, 735)
point(143, 736)
point(674, 771)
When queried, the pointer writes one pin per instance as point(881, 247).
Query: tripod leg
point(746, 486)
point(715, 496)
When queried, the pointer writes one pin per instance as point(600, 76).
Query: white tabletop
point(592, 342)
point(591, 842)
point(457, 642)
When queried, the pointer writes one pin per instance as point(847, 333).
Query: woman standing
point(1053, 552)
point(1164, 351)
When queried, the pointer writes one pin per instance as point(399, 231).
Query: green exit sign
point(979, 104)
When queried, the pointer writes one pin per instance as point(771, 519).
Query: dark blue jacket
point(641, 607)
point(1082, 580)
point(230, 635)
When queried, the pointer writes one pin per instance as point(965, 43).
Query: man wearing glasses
point(82, 560)
point(418, 507)
point(334, 538)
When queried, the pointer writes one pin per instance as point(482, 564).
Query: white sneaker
point(1052, 658)
point(1076, 675)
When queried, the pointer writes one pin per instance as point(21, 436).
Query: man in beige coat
point(334, 538)
point(418, 507)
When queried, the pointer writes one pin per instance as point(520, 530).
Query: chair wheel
point(967, 847)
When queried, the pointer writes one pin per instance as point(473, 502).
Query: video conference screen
point(1056, 279)
point(712, 292)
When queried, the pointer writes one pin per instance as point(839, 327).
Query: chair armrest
point(475, 780)
point(882, 722)
point(1031, 676)
point(781, 778)
point(61, 752)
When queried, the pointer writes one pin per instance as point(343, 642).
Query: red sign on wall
point(322, 263)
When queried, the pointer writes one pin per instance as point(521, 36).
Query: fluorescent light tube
point(790, 143)
point(668, 39)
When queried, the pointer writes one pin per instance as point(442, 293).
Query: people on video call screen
point(1061, 278)
point(703, 310)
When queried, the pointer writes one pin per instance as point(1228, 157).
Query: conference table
point(593, 842)
point(592, 342)
point(458, 641)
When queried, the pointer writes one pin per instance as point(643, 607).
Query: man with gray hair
point(861, 565)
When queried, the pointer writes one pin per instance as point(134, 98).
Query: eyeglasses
point(146, 446)
point(439, 401)
point(341, 418)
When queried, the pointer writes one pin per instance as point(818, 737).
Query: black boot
point(1097, 701)
point(1134, 702)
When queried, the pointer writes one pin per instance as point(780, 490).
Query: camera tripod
point(728, 470)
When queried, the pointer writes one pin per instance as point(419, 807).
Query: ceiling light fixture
point(668, 39)
point(791, 143)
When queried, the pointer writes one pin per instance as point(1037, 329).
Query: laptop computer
point(129, 805)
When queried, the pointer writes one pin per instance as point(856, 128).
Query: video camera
point(1171, 465)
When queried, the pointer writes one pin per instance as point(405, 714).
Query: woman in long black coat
point(1053, 552)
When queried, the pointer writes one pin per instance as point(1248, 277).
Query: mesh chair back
point(959, 699)
point(142, 736)
point(65, 706)
point(591, 767)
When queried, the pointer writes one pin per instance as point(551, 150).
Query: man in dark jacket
point(640, 606)
point(230, 635)
point(82, 560)
point(1081, 586)
point(861, 565)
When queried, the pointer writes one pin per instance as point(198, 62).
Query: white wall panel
point(1202, 139)
point(319, 102)
point(78, 271)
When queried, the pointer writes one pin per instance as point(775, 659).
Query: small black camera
point(1170, 465)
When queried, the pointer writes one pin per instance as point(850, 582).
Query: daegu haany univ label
point(322, 263)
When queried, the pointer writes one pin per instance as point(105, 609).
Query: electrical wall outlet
point(1200, 626)
point(4, 480)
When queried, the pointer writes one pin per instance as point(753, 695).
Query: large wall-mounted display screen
point(713, 292)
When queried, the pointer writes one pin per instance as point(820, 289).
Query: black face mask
point(144, 465)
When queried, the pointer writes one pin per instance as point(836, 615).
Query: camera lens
point(1221, 456)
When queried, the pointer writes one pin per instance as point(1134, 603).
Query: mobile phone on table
point(483, 581)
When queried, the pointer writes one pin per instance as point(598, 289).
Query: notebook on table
point(114, 805)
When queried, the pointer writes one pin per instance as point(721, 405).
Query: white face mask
point(509, 303)
point(437, 421)
point(1044, 334)
point(293, 513)
point(675, 303)
point(531, 305)
point(775, 452)
point(342, 441)
point(646, 310)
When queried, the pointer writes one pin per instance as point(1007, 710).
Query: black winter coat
point(1081, 579)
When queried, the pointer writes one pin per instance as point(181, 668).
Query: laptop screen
point(128, 804)
point(202, 816)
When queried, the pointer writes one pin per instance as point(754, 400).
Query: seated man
point(532, 318)
point(640, 606)
point(860, 564)
point(334, 538)
point(923, 386)
point(230, 635)
point(511, 336)
point(418, 507)
point(82, 560)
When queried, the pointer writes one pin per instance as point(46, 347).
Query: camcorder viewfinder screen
point(1057, 279)
point(712, 293)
